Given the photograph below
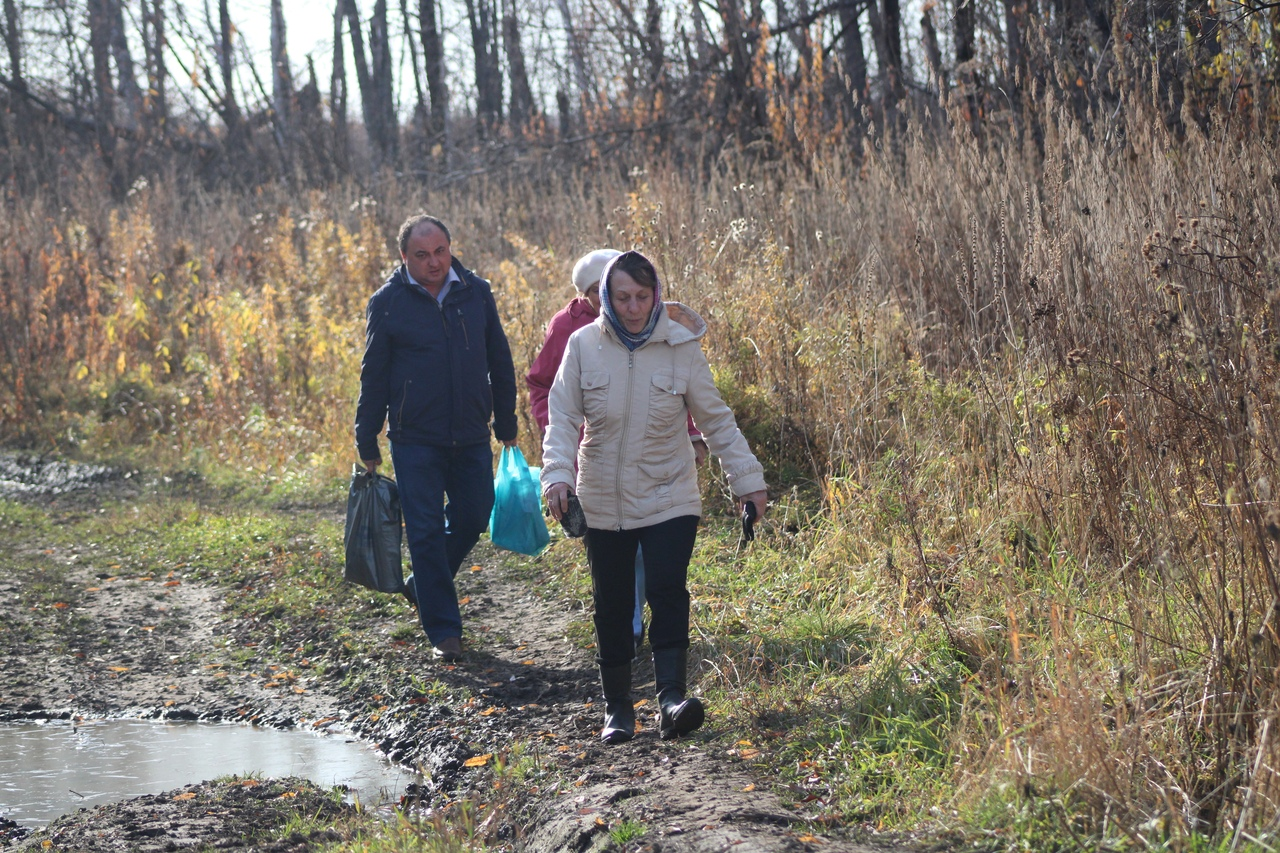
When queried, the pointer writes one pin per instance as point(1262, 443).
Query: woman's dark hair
point(638, 267)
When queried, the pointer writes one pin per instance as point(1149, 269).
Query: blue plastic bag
point(516, 522)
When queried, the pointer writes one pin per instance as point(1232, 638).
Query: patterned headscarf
point(631, 341)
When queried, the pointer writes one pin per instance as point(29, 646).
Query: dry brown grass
point(1032, 395)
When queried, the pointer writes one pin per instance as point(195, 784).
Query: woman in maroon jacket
point(580, 311)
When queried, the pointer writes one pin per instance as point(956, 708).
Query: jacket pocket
point(595, 395)
point(666, 404)
point(657, 482)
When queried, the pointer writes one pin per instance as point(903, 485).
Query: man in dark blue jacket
point(437, 368)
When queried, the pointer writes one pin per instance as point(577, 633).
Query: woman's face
point(632, 302)
point(593, 296)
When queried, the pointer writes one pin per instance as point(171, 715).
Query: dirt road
point(160, 646)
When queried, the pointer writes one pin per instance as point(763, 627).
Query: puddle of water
point(53, 768)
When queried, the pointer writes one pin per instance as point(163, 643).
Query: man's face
point(427, 257)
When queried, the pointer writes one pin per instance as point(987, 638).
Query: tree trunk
point(127, 87)
point(338, 95)
point(104, 105)
point(1015, 12)
point(13, 43)
point(654, 52)
point(482, 16)
point(855, 58)
point(368, 98)
point(966, 74)
point(383, 83)
point(281, 76)
point(521, 106)
point(226, 65)
point(153, 27)
point(433, 62)
point(933, 53)
point(577, 56)
point(891, 61)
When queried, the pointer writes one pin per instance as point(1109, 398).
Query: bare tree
point(855, 58)
point(226, 64)
point(577, 55)
point(281, 76)
point(433, 63)
point(127, 85)
point(13, 44)
point(521, 105)
point(153, 45)
point(383, 82)
point(482, 15)
point(338, 94)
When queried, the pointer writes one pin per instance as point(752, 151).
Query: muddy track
point(159, 646)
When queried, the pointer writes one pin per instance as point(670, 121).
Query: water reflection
point(52, 768)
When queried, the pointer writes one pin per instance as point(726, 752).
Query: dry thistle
point(1076, 357)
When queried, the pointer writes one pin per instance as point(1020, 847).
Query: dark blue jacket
point(438, 373)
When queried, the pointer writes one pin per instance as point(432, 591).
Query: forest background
point(992, 287)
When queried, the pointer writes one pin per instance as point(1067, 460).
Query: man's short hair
point(406, 230)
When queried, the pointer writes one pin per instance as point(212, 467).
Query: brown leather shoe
point(449, 649)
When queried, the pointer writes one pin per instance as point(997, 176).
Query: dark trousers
point(667, 548)
point(441, 534)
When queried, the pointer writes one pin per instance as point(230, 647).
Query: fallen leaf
point(250, 783)
point(750, 788)
point(169, 703)
point(287, 794)
point(478, 760)
point(148, 627)
point(60, 605)
point(93, 589)
point(600, 822)
point(489, 712)
point(749, 753)
point(476, 568)
point(464, 600)
point(118, 668)
point(172, 583)
point(299, 690)
point(808, 839)
point(527, 662)
point(189, 795)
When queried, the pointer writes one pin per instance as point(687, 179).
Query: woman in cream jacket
point(632, 377)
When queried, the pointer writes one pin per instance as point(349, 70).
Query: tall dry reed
point(1026, 385)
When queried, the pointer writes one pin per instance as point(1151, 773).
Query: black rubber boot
point(676, 714)
point(619, 713)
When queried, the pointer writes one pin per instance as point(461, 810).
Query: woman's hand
point(557, 498)
point(760, 499)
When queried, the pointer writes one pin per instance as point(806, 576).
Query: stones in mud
point(11, 832)
point(27, 476)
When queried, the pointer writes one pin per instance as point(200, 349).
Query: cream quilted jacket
point(635, 465)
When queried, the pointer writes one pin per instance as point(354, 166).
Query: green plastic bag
point(516, 523)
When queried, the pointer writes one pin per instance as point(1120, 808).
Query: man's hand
point(371, 465)
point(760, 499)
point(557, 498)
point(510, 443)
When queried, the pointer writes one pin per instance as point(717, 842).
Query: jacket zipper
point(626, 423)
